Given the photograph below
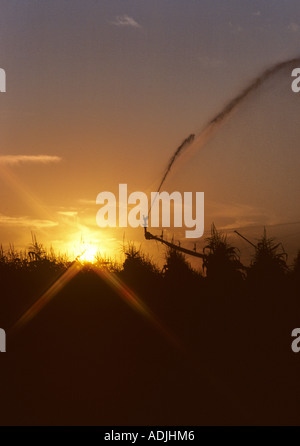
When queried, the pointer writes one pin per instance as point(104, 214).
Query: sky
point(102, 92)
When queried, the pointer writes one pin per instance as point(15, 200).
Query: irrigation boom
point(149, 236)
point(245, 239)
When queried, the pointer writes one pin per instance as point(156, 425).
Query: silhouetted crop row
point(221, 262)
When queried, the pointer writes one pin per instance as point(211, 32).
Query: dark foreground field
point(224, 356)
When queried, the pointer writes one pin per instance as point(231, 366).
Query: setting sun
point(89, 253)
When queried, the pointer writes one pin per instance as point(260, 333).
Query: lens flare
point(88, 253)
point(51, 292)
point(128, 296)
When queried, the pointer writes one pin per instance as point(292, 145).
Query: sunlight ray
point(57, 286)
point(137, 304)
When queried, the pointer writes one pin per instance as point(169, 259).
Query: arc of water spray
point(192, 143)
point(182, 146)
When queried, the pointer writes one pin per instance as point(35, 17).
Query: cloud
point(12, 160)
point(125, 20)
point(86, 201)
point(235, 29)
point(256, 13)
point(211, 62)
point(293, 27)
point(237, 215)
point(26, 222)
point(68, 213)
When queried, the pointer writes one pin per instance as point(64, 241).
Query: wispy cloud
point(28, 159)
point(87, 201)
point(68, 213)
point(26, 222)
point(237, 215)
point(211, 62)
point(256, 13)
point(125, 20)
point(235, 29)
point(293, 27)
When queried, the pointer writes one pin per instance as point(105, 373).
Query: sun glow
point(88, 253)
point(87, 247)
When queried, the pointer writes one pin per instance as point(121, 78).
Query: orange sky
point(112, 88)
